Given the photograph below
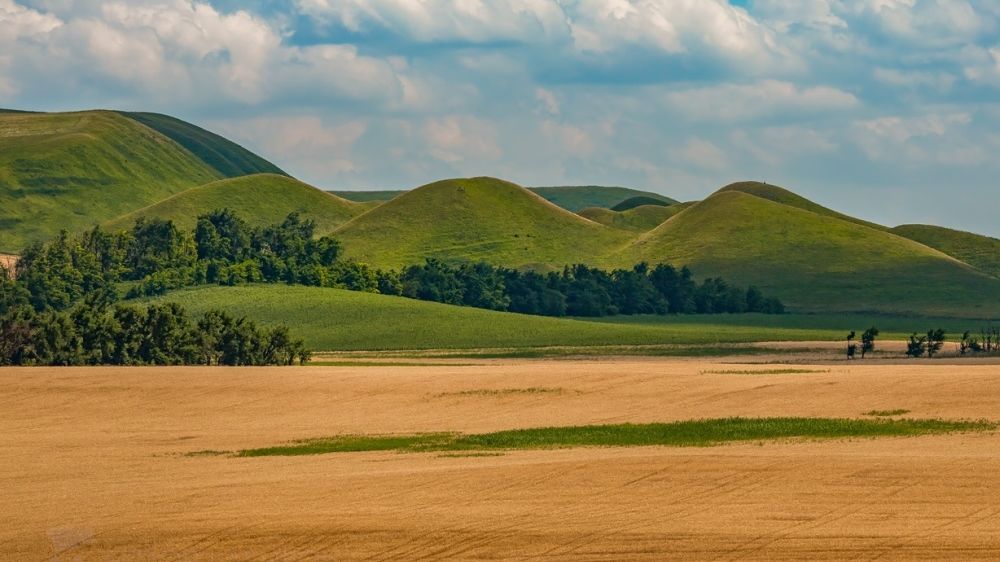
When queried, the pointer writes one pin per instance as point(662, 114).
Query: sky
point(884, 109)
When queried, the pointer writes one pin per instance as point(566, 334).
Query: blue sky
point(885, 109)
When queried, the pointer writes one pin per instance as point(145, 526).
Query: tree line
point(155, 256)
point(580, 290)
point(93, 333)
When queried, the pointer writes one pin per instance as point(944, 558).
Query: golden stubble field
point(93, 465)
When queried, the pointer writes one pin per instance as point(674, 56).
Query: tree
point(868, 341)
point(916, 346)
point(852, 348)
point(935, 341)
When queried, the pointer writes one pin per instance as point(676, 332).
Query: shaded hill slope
point(475, 219)
point(981, 252)
point(72, 170)
point(225, 156)
point(259, 199)
point(814, 261)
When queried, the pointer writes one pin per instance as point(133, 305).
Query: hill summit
point(475, 219)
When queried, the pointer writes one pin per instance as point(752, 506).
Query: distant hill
point(578, 197)
point(639, 201)
point(260, 199)
point(225, 156)
point(981, 252)
point(571, 198)
point(73, 170)
point(368, 196)
point(475, 219)
point(637, 219)
point(813, 261)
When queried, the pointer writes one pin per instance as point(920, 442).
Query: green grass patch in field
point(769, 372)
point(694, 433)
point(887, 413)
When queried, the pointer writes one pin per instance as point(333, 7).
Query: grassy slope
point(260, 199)
point(333, 319)
point(638, 201)
point(225, 156)
point(813, 261)
point(636, 219)
point(981, 252)
point(72, 170)
point(785, 197)
point(475, 219)
point(572, 198)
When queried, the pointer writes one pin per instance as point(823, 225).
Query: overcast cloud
point(886, 109)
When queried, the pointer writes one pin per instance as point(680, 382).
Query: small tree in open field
point(868, 341)
point(852, 348)
point(916, 346)
point(935, 341)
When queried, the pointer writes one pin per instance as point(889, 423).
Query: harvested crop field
point(123, 463)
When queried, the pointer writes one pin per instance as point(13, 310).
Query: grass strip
point(887, 413)
point(692, 433)
point(767, 372)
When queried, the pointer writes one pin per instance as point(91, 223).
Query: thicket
point(93, 333)
point(155, 256)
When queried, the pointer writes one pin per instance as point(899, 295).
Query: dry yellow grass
point(8, 261)
point(93, 465)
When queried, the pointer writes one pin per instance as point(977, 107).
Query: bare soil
point(95, 464)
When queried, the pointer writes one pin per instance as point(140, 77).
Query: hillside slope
point(259, 199)
point(475, 219)
point(786, 197)
point(814, 261)
point(637, 219)
point(981, 252)
point(72, 170)
point(225, 156)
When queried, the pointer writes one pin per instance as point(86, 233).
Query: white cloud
point(456, 139)
point(703, 154)
point(738, 102)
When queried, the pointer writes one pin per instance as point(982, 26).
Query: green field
point(475, 219)
point(260, 199)
point(74, 170)
point(814, 262)
point(981, 252)
point(338, 320)
point(694, 433)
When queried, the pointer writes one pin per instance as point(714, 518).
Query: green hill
point(636, 219)
point(578, 197)
point(72, 170)
point(572, 198)
point(639, 201)
point(225, 156)
point(475, 219)
point(260, 199)
point(814, 261)
point(785, 197)
point(368, 196)
point(981, 252)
